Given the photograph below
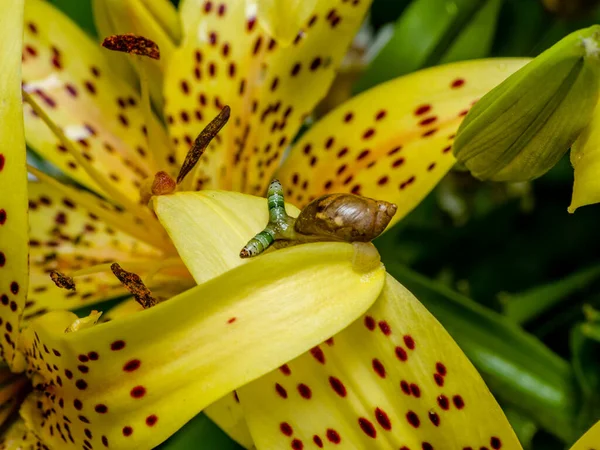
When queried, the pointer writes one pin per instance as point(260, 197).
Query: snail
point(331, 217)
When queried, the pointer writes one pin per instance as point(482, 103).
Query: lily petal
point(187, 215)
point(229, 59)
point(18, 437)
point(13, 185)
point(392, 142)
point(285, 19)
point(589, 439)
point(228, 414)
point(132, 382)
point(72, 229)
point(69, 77)
point(585, 158)
point(392, 379)
point(13, 388)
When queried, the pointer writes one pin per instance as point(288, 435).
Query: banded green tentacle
point(280, 225)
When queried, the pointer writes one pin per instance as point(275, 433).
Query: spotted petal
point(71, 230)
point(69, 77)
point(13, 185)
point(229, 59)
point(392, 142)
point(392, 379)
point(132, 382)
point(284, 19)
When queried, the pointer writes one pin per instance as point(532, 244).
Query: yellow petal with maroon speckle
point(69, 77)
point(227, 58)
point(13, 186)
point(18, 437)
point(132, 382)
point(72, 230)
point(392, 142)
point(589, 439)
point(284, 19)
point(393, 379)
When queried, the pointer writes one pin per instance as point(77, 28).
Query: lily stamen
point(134, 284)
point(139, 47)
point(202, 141)
point(62, 281)
point(162, 184)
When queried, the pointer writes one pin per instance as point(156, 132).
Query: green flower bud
point(521, 128)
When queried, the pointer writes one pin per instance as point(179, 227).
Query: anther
point(202, 141)
point(130, 43)
point(162, 184)
point(62, 281)
point(134, 284)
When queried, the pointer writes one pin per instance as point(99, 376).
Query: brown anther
point(244, 253)
point(62, 281)
point(202, 141)
point(163, 184)
point(134, 284)
point(132, 44)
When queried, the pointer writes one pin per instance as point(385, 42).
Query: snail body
point(331, 217)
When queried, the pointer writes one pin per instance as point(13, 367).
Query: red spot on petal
point(101, 409)
point(457, 83)
point(304, 391)
point(281, 390)
point(458, 402)
point(405, 387)
point(413, 419)
point(496, 443)
point(117, 345)
point(415, 390)
point(378, 367)
point(439, 380)
point(318, 441)
point(370, 323)
point(2, 161)
point(297, 444)
point(333, 436)
point(385, 328)
point(383, 419)
point(285, 369)
point(443, 402)
point(435, 419)
point(233, 319)
point(367, 427)
point(422, 110)
point(441, 369)
point(428, 120)
point(318, 354)
point(286, 428)
point(151, 420)
point(138, 392)
point(127, 431)
point(409, 342)
point(2, 216)
point(401, 354)
point(337, 386)
point(132, 365)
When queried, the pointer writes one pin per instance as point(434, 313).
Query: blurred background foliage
point(511, 275)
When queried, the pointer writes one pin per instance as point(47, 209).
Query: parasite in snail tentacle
point(331, 217)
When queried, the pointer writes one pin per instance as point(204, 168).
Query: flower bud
point(521, 128)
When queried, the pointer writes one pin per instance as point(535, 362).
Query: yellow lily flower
point(121, 384)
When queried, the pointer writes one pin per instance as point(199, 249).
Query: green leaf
point(80, 11)
point(521, 372)
point(200, 432)
point(527, 305)
point(433, 31)
point(524, 427)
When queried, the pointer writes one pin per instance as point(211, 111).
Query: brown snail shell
point(346, 217)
